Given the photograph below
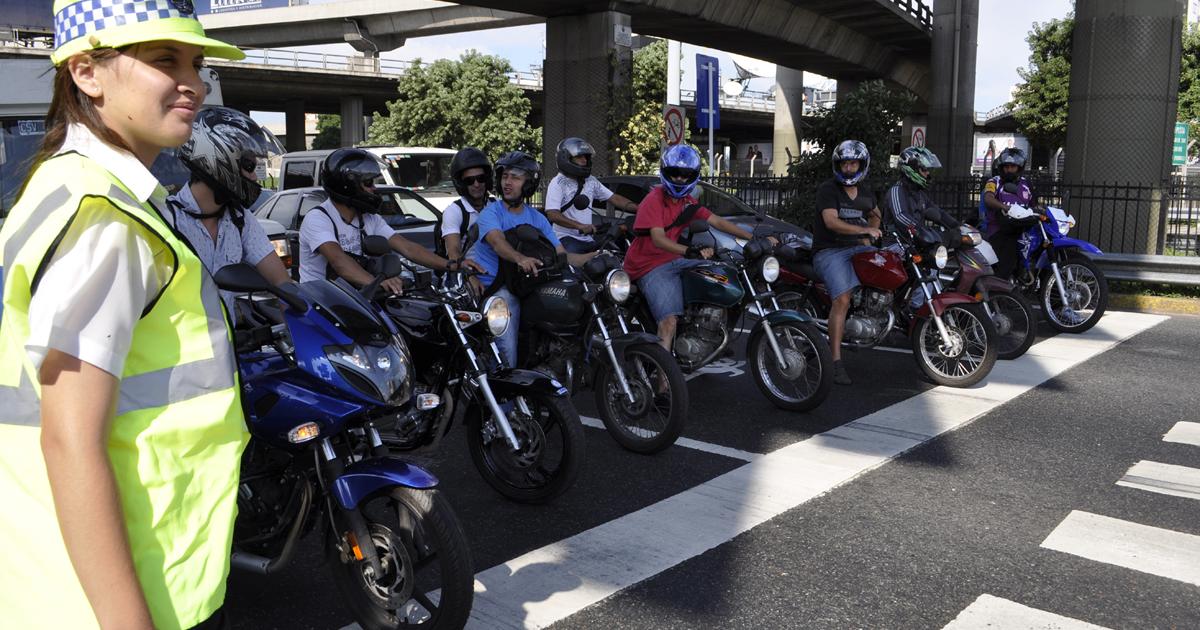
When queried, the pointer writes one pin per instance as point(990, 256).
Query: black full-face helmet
point(349, 177)
point(1013, 156)
point(570, 148)
point(225, 150)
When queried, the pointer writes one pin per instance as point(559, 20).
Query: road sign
point(1179, 150)
point(708, 89)
point(675, 120)
point(918, 137)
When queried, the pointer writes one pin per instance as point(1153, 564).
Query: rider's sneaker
point(839, 374)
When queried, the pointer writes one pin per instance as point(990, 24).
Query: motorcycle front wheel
point(1015, 321)
point(970, 354)
point(427, 579)
point(807, 378)
point(550, 453)
point(1087, 296)
point(655, 417)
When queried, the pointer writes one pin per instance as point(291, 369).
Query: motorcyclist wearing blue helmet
point(656, 258)
point(849, 219)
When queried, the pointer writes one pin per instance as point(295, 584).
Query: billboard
point(228, 6)
point(989, 145)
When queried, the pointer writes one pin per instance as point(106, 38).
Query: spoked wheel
point(1015, 322)
point(1087, 296)
point(550, 454)
point(654, 418)
point(804, 382)
point(970, 353)
point(426, 578)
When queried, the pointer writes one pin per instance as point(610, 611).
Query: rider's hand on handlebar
point(587, 228)
point(393, 286)
point(529, 265)
point(706, 253)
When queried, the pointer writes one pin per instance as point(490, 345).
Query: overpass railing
point(917, 9)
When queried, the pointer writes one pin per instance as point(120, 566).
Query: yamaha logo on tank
point(554, 291)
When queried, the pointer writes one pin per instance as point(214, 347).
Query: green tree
point(1189, 85)
point(452, 104)
point(329, 132)
point(1040, 101)
point(640, 137)
point(871, 114)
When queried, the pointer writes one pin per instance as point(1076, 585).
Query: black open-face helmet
point(468, 158)
point(521, 162)
point(1014, 156)
point(346, 175)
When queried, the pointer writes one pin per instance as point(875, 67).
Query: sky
point(1003, 26)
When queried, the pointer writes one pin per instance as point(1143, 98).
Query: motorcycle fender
point(1067, 242)
point(506, 383)
point(942, 300)
point(621, 342)
point(367, 476)
point(785, 317)
point(993, 283)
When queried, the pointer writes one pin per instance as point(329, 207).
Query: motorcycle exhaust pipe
point(266, 566)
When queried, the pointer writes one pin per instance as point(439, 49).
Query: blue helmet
point(851, 150)
point(679, 159)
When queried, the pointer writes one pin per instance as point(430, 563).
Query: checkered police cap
point(81, 25)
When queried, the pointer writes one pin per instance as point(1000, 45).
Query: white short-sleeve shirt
point(452, 217)
point(559, 194)
point(319, 228)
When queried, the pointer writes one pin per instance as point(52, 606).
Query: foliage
point(329, 132)
point(1189, 85)
point(871, 114)
point(452, 104)
point(640, 137)
point(1040, 101)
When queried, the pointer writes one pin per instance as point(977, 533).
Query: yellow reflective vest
point(175, 444)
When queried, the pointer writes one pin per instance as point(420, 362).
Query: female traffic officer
point(120, 423)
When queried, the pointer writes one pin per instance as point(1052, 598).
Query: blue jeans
point(663, 288)
point(508, 341)
point(834, 266)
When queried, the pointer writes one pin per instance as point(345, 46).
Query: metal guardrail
point(1179, 270)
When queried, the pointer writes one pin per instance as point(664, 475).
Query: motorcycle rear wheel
point(798, 387)
point(428, 579)
point(550, 456)
point(1022, 323)
point(643, 426)
point(972, 354)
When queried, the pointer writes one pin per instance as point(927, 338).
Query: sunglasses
point(248, 164)
point(475, 179)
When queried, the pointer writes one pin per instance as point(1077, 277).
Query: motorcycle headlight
point(770, 269)
point(495, 311)
point(379, 372)
point(618, 285)
point(940, 256)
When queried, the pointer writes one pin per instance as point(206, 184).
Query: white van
point(425, 170)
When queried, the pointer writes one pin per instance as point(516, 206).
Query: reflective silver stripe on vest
point(52, 202)
point(20, 405)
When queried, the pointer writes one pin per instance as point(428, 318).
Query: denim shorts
point(833, 265)
point(663, 289)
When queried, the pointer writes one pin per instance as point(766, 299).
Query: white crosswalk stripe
point(1179, 481)
point(1184, 433)
point(995, 613)
point(1152, 550)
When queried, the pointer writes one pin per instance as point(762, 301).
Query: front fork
point(937, 319)
point(762, 319)
point(1062, 288)
point(612, 353)
point(479, 379)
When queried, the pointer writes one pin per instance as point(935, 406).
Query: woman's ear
point(83, 69)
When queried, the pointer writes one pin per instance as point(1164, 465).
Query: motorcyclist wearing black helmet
point(570, 195)
point(471, 172)
point(223, 155)
point(332, 233)
point(1007, 187)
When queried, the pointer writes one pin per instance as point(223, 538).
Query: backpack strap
point(684, 218)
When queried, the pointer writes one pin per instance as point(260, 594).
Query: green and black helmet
point(913, 159)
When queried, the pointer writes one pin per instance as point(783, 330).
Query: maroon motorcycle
point(952, 336)
point(1011, 312)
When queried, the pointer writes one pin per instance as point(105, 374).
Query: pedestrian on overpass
point(122, 429)
point(223, 156)
point(572, 192)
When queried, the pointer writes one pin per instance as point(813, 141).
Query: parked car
point(422, 169)
point(727, 206)
point(404, 210)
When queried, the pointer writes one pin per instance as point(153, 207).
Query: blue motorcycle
point(316, 377)
point(1053, 269)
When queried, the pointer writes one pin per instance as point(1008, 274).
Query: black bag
point(528, 241)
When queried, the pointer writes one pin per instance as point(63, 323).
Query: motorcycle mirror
point(581, 202)
point(390, 265)
point(376, 246)
point(698, 226)
point(785, 253)
point(244, 278)
point(752, 250)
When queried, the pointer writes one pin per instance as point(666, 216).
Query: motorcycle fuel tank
point(712, 284)
point(880, 269)
point(557, 301)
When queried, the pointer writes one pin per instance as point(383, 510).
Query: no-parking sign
point(674, 119)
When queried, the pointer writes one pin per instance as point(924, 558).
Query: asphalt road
point(911, 506)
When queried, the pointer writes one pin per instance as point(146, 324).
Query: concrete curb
point(1154, 304)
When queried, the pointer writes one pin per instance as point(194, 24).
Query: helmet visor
point(678, 172)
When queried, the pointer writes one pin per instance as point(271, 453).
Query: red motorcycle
point(952, 336)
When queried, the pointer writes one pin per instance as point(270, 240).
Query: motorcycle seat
point(805, 269)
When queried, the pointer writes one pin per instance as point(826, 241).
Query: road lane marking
point(1177, 481)
point(1184, 433)
point(548, 584)
point(989, 612)
point(1152, 550)
point(715, 449)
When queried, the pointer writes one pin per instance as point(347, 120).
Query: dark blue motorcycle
point(1054, 268)
point(316, 377)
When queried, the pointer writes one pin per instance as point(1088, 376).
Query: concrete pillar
point(789, 108)
point(586, 87)
point(294, 125)
point(1122, 104)
point(354, 129)
point(846, 85)
point(951, 133)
